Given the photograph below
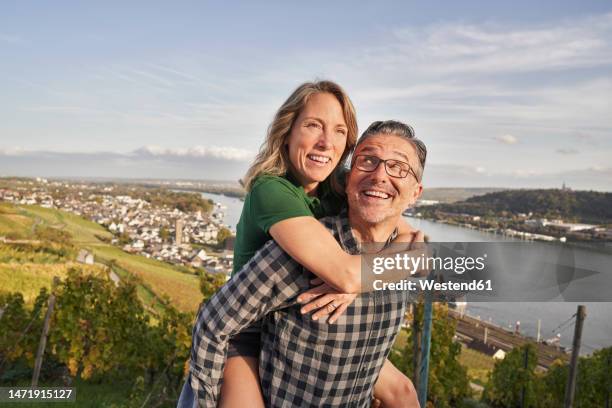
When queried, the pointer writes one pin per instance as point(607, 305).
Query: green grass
point(401, 339)
point(88, 395)
point(28, 253)
point(13, 222)
point(479, 365)
point(181, 288)
point(150, 299)
point(29, 278)
point(83, 231)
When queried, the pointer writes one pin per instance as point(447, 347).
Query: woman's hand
point(326, 299)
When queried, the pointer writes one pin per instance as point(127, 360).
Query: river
point(597, 326)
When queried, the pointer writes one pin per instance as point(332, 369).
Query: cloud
point(196, 152)
point(582, 136)
point(158, 79)
point(507, 139)
point(11, 38)
point(12, 151)
point(67, 110)
point(175, 73)
point(218, 163)
point(492, 47)
point(528, 78)
point(568, 151)
point(521, 174)
point(591, 178)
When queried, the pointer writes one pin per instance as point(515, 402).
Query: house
point(201, 255)
point(488, 349)
point(85, 257)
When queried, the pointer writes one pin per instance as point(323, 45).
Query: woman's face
point(317, 140)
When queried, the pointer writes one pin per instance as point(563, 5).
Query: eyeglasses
point(394, 168)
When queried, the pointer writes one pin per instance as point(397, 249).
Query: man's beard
point(368, 214)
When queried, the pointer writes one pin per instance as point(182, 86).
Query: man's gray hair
point(393, 127)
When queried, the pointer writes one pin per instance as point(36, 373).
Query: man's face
point(376, 196)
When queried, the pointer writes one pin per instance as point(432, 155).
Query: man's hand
point(326, 299)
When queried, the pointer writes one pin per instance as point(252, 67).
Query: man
point(307, 362)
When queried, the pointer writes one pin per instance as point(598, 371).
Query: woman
point(289, 185)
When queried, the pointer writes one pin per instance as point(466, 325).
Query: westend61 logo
point(516, 271)
point(414, 264)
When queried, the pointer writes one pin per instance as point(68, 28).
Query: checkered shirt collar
point(347, 238)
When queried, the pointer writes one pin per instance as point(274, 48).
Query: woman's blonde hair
point(273, 158)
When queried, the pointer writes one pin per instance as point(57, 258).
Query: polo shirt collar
point(293, 180)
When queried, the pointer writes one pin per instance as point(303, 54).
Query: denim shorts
point(187, 398)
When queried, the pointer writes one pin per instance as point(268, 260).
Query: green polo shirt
point(273, 199)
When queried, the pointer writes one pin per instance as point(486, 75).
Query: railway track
point(469, 328)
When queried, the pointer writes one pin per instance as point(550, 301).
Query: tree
point(448, 382)
point(222, 235)
point(509, 376)
point(124, 238)
point(97, 328)
point(50, 234)
point(210, 284)
point(164, 234)
point(165, 350)
point(20, 328)
point(101, 332)
point(593, 383)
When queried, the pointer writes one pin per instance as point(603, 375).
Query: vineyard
point(38, 262)
point(121, 342)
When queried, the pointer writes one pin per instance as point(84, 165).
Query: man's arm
point(271, 280)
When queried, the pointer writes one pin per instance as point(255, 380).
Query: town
point(197, 238)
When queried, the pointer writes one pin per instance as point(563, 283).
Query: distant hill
point(580, 206)
point(450, 195)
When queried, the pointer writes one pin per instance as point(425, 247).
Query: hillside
point(27, 266)
point(578, 206)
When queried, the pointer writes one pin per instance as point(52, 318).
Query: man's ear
point(417, 194)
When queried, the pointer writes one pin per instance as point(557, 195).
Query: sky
point(504, 94)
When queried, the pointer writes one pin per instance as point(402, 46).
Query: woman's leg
point(241, 387)
point(394, 389)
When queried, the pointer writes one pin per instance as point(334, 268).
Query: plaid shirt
point(303, 362)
